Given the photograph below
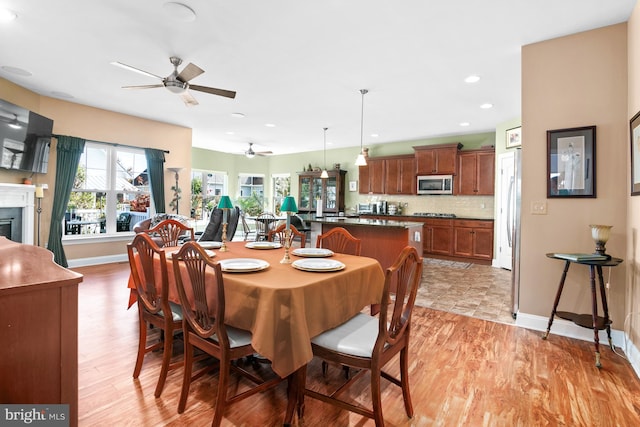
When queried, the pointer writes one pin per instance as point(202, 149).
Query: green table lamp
point(224, 204)
point(289, 207)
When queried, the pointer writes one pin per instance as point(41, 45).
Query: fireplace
point(17, 212)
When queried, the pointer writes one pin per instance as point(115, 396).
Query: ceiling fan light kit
point(361, 160)
point(178, 82)
point(250, 154)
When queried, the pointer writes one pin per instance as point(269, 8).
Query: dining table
point(284, 306)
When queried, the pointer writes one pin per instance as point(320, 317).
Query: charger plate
point(210, 244)
point(318, 265)
point(312, 252)
point(243, 265)
point(263, 245)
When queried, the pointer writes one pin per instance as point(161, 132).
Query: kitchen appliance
point(435, 184)
point(364, 208)
point(513, 228)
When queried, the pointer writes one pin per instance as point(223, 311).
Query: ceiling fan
point(178, 82)
point(251, 154)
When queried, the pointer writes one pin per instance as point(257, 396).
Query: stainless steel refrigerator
point(513, 224)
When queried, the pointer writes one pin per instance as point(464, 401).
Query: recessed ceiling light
point(7, 15)
point(486, 106)
point(230, 132)
point(374, 135)
point(464, 124)
point(472, 79)
point(270, 125)
point(238, 115)
point(17, 71)
point(180, 12)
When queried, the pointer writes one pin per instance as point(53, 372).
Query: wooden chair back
point(170, 231)
point(144, 257)
point(279, 234)
point(339, 240)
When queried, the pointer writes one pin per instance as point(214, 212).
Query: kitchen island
point(381, 239)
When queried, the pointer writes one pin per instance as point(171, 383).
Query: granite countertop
point(365, 222)
point(424, 217)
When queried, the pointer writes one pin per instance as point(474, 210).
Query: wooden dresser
point(38, 328)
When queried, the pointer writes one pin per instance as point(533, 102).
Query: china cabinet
point(312, 188)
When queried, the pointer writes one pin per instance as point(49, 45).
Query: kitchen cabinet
point(371, 176)
point(473, 238)
point(400, 176)
point(312, 188)
point(476, 172)
point(439, 159)
point(438, 236)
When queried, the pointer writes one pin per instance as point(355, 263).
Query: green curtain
point(69, 149)
point(155, 169)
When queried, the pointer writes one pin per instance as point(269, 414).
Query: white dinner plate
point(209, 253)
point(210, 244)
point(312, 252)
point(314, 264)
point(263, 245)
point(243, 265)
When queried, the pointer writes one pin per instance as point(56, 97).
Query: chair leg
point(166, 360)
point(223, 384)
point(186, 377)
point(142, 343)
point(404, 380)
point(375, 397)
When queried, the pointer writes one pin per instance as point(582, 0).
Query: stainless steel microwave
point(435, 184)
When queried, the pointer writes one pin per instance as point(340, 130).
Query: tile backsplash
point(481, 207)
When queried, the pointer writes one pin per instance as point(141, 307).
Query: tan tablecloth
point(284, 307)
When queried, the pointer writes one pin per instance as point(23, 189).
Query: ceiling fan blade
point(135, 70)
point(142, 86)
point(214, 91)
point(189, 100)
point(189, 72)
point(264, 153)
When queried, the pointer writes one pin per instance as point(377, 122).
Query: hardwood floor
point(464, 372)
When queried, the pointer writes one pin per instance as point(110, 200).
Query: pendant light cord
point(363, 92)
point(325, 148)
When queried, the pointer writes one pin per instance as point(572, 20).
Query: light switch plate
point(539, 208)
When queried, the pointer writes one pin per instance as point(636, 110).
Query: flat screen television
point(25, 139)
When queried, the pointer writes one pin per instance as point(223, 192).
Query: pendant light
point(324, 173)
point(361, 160)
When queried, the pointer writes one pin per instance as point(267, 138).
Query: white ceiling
point(296, 64)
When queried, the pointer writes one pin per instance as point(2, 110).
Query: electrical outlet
point(416, 236)
point(539, 208)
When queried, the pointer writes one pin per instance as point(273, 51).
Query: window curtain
point(69, 149)
point(155, 169)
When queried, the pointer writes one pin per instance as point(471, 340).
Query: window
point(110, 191)
point(206, 189)
point(251, 197)
point(281, 189)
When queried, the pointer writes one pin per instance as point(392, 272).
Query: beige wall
point(573, 81)
point(106, 126)
point(633, 203)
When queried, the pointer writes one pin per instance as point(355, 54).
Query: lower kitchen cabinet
point(473, 239)
point(438, 236)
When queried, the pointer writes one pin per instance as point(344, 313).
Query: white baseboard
point(569, 329)
point(85, 262)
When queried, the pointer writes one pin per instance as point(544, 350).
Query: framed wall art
point(514, 137)
point(571, 162)
point(635, 154)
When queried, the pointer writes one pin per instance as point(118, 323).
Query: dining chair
point(279, 234)
point(208, 332)
point(213, 230)
point(339, 240)
point(264, 224)
point(149, 273)
point(171, 232)
point(368, 343)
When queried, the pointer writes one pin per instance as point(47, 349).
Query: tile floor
point(473, 290)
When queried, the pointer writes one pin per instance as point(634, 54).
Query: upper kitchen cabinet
point(400, 174)
point(371, 177)
point(439, 159)
point(476, 172)
point(313, 188)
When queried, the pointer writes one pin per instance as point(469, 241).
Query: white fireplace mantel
point(21, 196)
